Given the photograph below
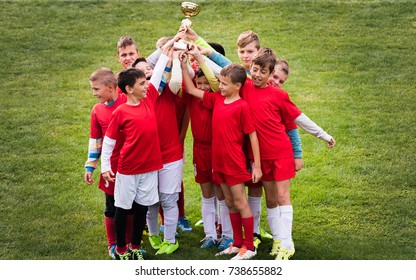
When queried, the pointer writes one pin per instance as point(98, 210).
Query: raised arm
point(189, 84)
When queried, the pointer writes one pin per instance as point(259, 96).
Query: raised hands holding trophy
point(189, 9)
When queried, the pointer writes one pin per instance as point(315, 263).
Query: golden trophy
point(189, 9)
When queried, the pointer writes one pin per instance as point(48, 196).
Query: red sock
point(129, 228)
point(121, 250)
point(248, 225)
point(237, 225)
point(134, 247)
point(110, 231)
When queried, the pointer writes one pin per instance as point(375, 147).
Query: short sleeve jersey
point(140, 152)
point(167, 122)
point(271, 108)
point(201, 120)
point(100, 119)
point(230, 122)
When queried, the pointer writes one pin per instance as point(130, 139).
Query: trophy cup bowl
point(189, 9)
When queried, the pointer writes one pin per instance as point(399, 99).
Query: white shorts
point(170, 177)
point(141, 188)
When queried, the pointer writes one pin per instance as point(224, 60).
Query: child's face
point(278, 78)
point(145, 67)
point(260, 75)
point(227, 87)
point(102, 92)
point(127, 56)
point(202, 83)
point(246, 54)
point(140, 88)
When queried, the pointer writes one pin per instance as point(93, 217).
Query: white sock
point(273, 217)
point(217, 215)
point(255, 206)
point(227, 229)
point(170, 213)
point(286, 215)
point(152, 216)
point(208, 216)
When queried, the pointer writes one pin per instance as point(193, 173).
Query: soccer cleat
point(224, 242)
point(275, 248)
point(112, 251)
point(155, 241)
point(285, 254)
point(244, 254)
point(137, 254)
point(183, 224)
point(265, 234)
point(168, 248)
point(125, 256)
point(208, 242)
point(230, 250)
point(256, 240)
point(199, 223)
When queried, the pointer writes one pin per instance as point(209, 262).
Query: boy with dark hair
point(271, 108)
point(136, 180)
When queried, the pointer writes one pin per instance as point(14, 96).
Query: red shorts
point(202, 164)
point(230, 180)
point(278, 169)
point(109, 189)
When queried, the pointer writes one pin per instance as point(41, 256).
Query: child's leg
point(247, 222)
point(286, 213)
point(109, 213)
point(273, 214)
point(139, 213)
point(254, 200)
point(208, 210)
point(226, 227)
point(152, 219)
point(169, 203)
point(120, 220)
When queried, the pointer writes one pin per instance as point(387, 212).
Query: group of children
point(245, 139)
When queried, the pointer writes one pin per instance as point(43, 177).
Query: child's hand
point(108, 176)
point(88, 178)
point(191, 34)
point(298, 164)
point(193, 49)
point(257, 174)
point(331, 143)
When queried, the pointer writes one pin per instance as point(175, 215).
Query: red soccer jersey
point(100, 119)
point(166, 116)
point(270, 107)
point(230, 122)
point(201, 120)
point(140, 152)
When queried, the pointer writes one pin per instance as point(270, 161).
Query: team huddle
point(245, 142)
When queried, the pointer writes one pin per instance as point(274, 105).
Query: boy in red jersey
point(170, 176)
point(104, 85)
point(271, 108)
point(140, 158)
point(227, 139)
point(202, 134)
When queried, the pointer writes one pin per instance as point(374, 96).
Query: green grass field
point(353, 73)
